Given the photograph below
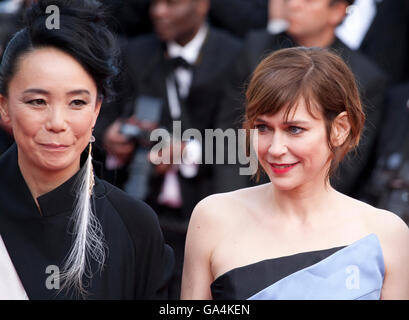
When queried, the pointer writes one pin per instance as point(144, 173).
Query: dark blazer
point(395, 122)
point(389, 181)
point(9, 24)
point(371, 82)
point(131, 17)
point(5, 141)
point(138, 263)
point(387, 40)
point(146, 70)
point(239, 16)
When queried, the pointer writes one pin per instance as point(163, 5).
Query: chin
point(56, 165)
point(283, 184)
point(284, 187)
point(58, 162)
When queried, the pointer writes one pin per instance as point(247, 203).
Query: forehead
point(50, 68)
point(301, 110)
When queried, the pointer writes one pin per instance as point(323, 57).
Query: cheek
point(82, 125)
point(315, 150)
point(25, 123)
point(261, 144)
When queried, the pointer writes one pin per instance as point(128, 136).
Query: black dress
point(351, 272)
point(138, 263)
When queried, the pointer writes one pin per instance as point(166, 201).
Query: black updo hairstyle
point(82, 33)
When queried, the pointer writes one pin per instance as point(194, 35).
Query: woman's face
point(52, 107)
point(293, 152)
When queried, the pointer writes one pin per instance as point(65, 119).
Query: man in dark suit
point(313, 24)
point(388, 187)
point(183, 67)
point(380, 30)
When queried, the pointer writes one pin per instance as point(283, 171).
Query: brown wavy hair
point(317, 75)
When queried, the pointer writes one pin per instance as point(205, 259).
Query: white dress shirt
point(275, 26)
point(357, 23)
point(11, 287)
point(10, 6)
point(190, 52)
point(170, 194)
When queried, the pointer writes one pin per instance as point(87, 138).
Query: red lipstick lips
point(281, 168)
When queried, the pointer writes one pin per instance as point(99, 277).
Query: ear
point(4, 110)
point(338, 12)
point(340, 130)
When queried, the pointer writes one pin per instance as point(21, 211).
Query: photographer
point(183, 67)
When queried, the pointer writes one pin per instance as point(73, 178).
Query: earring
point(90, 168)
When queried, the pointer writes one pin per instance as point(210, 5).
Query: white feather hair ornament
point(88, 237)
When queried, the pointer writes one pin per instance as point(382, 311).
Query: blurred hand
point(117, 144)
point(165, 159)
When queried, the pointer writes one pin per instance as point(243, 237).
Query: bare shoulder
point(389, 227)
point(224, 209)
point(393, 234)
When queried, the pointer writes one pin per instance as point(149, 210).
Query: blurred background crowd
point(190, 60)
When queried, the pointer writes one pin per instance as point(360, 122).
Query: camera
point(147, 110)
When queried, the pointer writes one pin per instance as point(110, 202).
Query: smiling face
point(52, 107)
point(293, 150)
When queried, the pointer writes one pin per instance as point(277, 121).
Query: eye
point(78, 103)
point(37, 102)
point(295, 130)
point(261, 127)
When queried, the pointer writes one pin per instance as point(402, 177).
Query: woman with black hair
point(63, 232)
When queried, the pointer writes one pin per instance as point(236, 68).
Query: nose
point(56, 120)
point(278, 146)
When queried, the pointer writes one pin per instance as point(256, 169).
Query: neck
point(185, 38)
point(304, 205)
point(40, 181)
point(322, 40)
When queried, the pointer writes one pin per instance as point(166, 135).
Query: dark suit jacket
point(130, 18)
point(392, 155)
point(387, 40)
point(145, 65)
point(395, 122)
point(371, 82)
point(9, 24)
point(239, 16)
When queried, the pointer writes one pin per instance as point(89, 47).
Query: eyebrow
point(45, 92)
point(294, 122)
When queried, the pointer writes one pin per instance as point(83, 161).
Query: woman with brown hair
point(297, 237)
